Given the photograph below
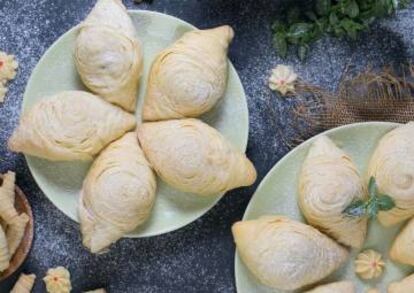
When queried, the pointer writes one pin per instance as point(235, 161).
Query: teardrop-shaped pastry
point(4, 251)
point(194, 157)
point(117, 195)
point(71, 125)
point(328, 183)
point(285, 254)
point(24, 284)
point(337, 287)
point(392, 165)
point(108, 54)
point(15, 232)
point(188, 78)
point(7, 197)
point(402, 250)
point(406, 285)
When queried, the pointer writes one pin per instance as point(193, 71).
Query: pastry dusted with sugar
point(337, 287)
point(392, 165)
point(108, 55)
point(285, 254)
point(329, 182)
point(117, 195)
point(193, 157)
point(70, 125)
point(188, 78)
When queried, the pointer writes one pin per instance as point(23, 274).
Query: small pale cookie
point(7, 195)
point(15, 232)
point(57, 280)
point(24, 284)
point(4, 251)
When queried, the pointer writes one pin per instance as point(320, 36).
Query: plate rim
point(243, 145)
point(266, 178)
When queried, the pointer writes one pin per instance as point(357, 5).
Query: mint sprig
point(375, 203)
point(340, 18)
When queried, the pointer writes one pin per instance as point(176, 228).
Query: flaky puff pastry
point(337, 287)
point(117, 195)
point(392, 165)
point(188, 78)
point(71, 125)
point(108, 54)
point(402, 250)
point(285, 254)
point(194, 157)
point(406, 285)
point(24, 284)
point(328, 183)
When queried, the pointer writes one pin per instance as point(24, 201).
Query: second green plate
point(277, 195)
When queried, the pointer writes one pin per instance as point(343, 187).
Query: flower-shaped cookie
point(8, 66)
point(57, 280)
point(369, 264)
point(283, 79)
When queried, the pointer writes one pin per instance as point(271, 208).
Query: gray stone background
point(199, 257)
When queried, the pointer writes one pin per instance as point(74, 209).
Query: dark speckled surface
point(199, 257)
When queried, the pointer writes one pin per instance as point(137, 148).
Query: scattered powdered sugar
point(199, 257)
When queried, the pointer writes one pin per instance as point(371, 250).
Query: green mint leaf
point(302, 50)
point(323, 7)
point(293, 15)
point(355, 209)
point(311, 15)
point(385, 202)
point(372, 187)
point(333, 19)
point(278, 27)
point(372, 209)
point(280, 44)
point(352, 9)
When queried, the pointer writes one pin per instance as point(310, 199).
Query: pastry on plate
point(189, 77)
point(337, 287)
point(108, 55)
point(402, 250)
point(392, 165)
point(117, 195)
point(194, 157)
point(70, 125)
point(329, 182)
point(286, 254)
point(406, 285)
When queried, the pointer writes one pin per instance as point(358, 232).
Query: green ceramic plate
point(61, 182)
point(277, 194)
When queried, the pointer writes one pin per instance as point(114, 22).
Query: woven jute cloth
point(385, 95)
